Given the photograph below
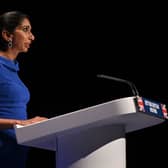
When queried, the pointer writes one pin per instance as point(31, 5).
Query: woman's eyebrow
point(24, 26)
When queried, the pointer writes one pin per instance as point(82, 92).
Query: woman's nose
point(32, 37)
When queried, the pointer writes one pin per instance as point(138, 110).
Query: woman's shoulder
point(2, 74)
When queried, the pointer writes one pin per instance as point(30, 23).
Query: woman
point(15, 37)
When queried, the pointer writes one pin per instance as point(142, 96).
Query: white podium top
point(120, 111)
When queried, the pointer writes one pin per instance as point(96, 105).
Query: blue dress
point(14, 96)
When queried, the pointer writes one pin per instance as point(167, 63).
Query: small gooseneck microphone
point(133, 88)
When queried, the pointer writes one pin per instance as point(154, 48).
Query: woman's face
point(22, 37)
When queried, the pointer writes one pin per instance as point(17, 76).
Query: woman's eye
point(25, 29)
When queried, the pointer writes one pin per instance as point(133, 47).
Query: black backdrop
point(74, 42)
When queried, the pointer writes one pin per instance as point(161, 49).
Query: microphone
point(132, 86)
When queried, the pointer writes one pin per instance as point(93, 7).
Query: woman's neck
point(7, 54)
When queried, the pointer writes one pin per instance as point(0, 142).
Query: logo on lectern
point(164, 110)
point(152, 107)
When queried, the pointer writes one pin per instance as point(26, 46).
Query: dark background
point(76, 41)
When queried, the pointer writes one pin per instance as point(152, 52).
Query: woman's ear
point(6, 35)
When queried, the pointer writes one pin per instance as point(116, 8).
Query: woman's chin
point(25, 50)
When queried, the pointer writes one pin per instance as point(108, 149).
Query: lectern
point(93, 137)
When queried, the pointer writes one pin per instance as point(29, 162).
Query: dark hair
point(9, 21)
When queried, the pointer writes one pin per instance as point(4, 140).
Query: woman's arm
point(9, 123)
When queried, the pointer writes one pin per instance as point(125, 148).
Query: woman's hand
point(31, 121)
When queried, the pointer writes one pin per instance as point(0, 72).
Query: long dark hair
point(9, 21)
